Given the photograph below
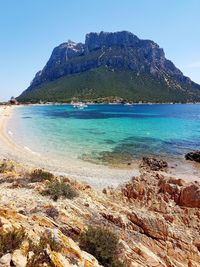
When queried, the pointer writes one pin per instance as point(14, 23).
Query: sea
point(111, 134)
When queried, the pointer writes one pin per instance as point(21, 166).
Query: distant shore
point(103, 103)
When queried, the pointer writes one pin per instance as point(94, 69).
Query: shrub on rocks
point(39, 175)
point(6, 166)
point(9, 241)
point(102, 244)
point(40, 256)
point(57, 189)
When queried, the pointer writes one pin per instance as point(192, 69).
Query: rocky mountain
point(110, 65)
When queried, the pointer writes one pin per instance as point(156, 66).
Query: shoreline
point(97, 176)
point(104, 103)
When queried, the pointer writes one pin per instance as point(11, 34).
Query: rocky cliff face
point(132, 53)
point(95, 41)
point(118, 51)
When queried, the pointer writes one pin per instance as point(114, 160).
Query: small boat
point(80, 105)
point(127, 104)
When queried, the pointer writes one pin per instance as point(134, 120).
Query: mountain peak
point(112, 56)
point(97, 40)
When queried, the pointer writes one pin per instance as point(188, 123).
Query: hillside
point(155, 218)
point(110, 65)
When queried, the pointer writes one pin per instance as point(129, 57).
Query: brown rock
point(168, 218)
point(169, 188)
point(120, 221)
point(190, 196)
point(152, 226)
point(134, 190)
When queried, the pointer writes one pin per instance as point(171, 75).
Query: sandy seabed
point(98, 176)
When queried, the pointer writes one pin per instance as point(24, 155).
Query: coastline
point(98, 176)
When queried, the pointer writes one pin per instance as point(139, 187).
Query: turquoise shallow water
point(108, 133)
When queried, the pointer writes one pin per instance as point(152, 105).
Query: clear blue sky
point(30, 29)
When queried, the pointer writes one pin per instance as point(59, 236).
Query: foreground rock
point(193, 156)
point(156, 218)
point(190, 196)
point(36, 227)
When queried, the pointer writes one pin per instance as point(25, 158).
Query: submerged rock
point(193, 156)
point(154, 164)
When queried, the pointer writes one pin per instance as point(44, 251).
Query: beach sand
point(98, 176)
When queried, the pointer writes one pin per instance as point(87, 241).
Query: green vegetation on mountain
point(104, 83)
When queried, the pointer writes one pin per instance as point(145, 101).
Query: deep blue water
point(108, 133)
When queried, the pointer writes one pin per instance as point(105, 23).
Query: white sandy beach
point(98, 176)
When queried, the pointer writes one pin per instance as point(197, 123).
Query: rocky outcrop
point(36, 228)
point(193, 156)
point(155, 216)
point(160, 189)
